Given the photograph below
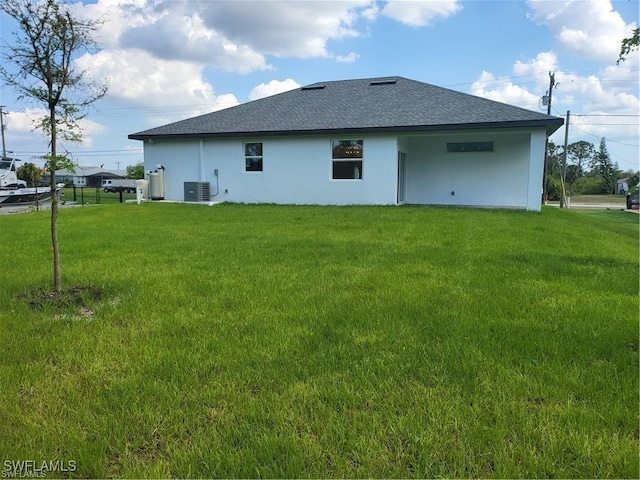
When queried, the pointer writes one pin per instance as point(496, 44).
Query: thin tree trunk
point(53, 163)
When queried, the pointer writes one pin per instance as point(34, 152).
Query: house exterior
point(87, 176)
point(622, 185)
point(380, 141)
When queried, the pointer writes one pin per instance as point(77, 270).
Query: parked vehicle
point(119, 185)
point(633, 197)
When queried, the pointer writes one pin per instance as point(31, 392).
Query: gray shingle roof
point(90, 171)
point(359, 106)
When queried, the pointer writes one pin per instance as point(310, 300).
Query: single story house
point(86, 176)
point(622, 185)
point(376, 141)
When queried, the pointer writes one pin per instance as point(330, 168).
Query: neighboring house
point(380, 141)
point(88, 176)
point(622, 186)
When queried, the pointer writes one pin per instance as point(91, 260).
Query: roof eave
point(551, 125)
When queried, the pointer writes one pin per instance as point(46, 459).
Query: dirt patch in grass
point(74, 296)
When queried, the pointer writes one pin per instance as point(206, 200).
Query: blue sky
point(172, 59)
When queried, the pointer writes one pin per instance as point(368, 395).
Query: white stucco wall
point(490, 179)
point(296, 170)
point(536, 169)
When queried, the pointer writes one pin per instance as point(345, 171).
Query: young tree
point(30, 173)
point(39, 65)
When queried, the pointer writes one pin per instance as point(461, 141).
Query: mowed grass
point(599, 199)
point(93, 195)
point(274, 341)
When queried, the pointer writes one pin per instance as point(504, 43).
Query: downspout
point(202, 176)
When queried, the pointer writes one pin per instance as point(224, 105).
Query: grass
point(272, 341)
point(618, 200)
point(94, 196)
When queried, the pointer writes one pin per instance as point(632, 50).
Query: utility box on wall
point(197, 191)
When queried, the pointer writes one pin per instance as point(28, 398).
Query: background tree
point(629, 45)
point(554, 171)
point(634, 177)
point(39, 65)
point(572, 175)
point(581, 154)
point(30, 173)
point(605, 169)
point(135, 171)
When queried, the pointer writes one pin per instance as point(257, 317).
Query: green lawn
point(272, 341)
point(93, 196)
point(618, 200)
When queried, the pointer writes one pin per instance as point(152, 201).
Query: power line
point(620, 158)
point(122, 154)
point(115, 153)
point(605, 115)
point(600, 136)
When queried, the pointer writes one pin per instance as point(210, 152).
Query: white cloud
point(272, 88)
point(619, 77)
point(590, 28)
point(225, 100)
point(419, 13)
point(284, 28)
point(503, 90)
point(236, 35)
point(21, 127)
point(350, 58)
point(171, 31)
point(117, 16)
point(89, 130)
point(22, 122)
point(186, 38)
point(136, 75)
point(543, 63)
point(594, 100)
point(371, 12)
point(140, 79)
point(155, 51)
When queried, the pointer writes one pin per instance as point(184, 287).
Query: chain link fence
point(94, 196)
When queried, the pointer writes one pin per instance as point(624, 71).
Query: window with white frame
point(253, 157)
point(347, 156)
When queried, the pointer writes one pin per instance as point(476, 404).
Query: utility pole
point(2, 127)
point(546, 100)
point(564, 162)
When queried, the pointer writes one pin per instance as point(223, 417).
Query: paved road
point(594, 206)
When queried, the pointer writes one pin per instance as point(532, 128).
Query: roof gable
point(358, 106)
